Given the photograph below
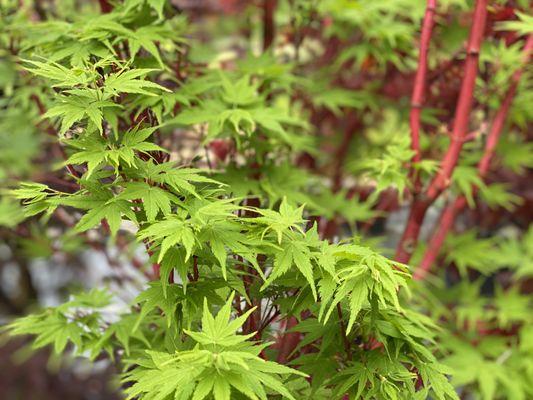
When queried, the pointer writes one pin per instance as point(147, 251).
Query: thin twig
point(344, 336)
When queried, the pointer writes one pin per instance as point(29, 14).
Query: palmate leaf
point(182, 180)
point(240, 120)
point(330, 204)
point(154, 199)
point(517, 254)
point(61, 76)
point(280, 180)
point(111, 211)
point(275, 120)
point(53, 328)
point(179, 304)
point(225, 237)
point(220, 363)
point(96, 152)
point(163, 105)
point(206, 217)
point(469, 251)
point(124, 330)
point(362, 274)
point(512, 307)
point(134, 140)
point(515, 153)
point(388, 169)
point(281, 221)
point(523, 26)
point(295, 253)
point(336, 99)
point(147, 37)
point(61, 325)
point(155, 297)
point(78, 52)
point(131, 81)
point(100, 204)
point(466, 178)
point(476, 367)
point(74, 108)
point(91, 149)
point(157, 5)
point(242, 92)
point(433, 374)
point(171, 231)
point(376, 377)
point(498, 195)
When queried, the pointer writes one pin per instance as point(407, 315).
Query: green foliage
point(196, 153)
point(217, 361)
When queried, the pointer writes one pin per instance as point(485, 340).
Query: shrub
point(243, 160)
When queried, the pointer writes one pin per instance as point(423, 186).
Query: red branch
point(453, 209)
point(460, 129)
point(419, 88)
point(464, 104)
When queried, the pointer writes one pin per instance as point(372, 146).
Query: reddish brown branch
point(269, 28)
point(196, 272)
point(453, 209)
point(105, 6)
point(441, 181)
point(419, 88)
point(347, 347)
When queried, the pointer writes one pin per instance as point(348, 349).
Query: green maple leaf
point(131, 82)
point(281, 221)
point(171, 231)
point(110, 211)
point(295, 253)
point(222, 361)
point(154, 199)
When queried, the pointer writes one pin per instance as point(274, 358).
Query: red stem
point(452, 210)
point(464, 104)
point(460, 129)
point(419, 88)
